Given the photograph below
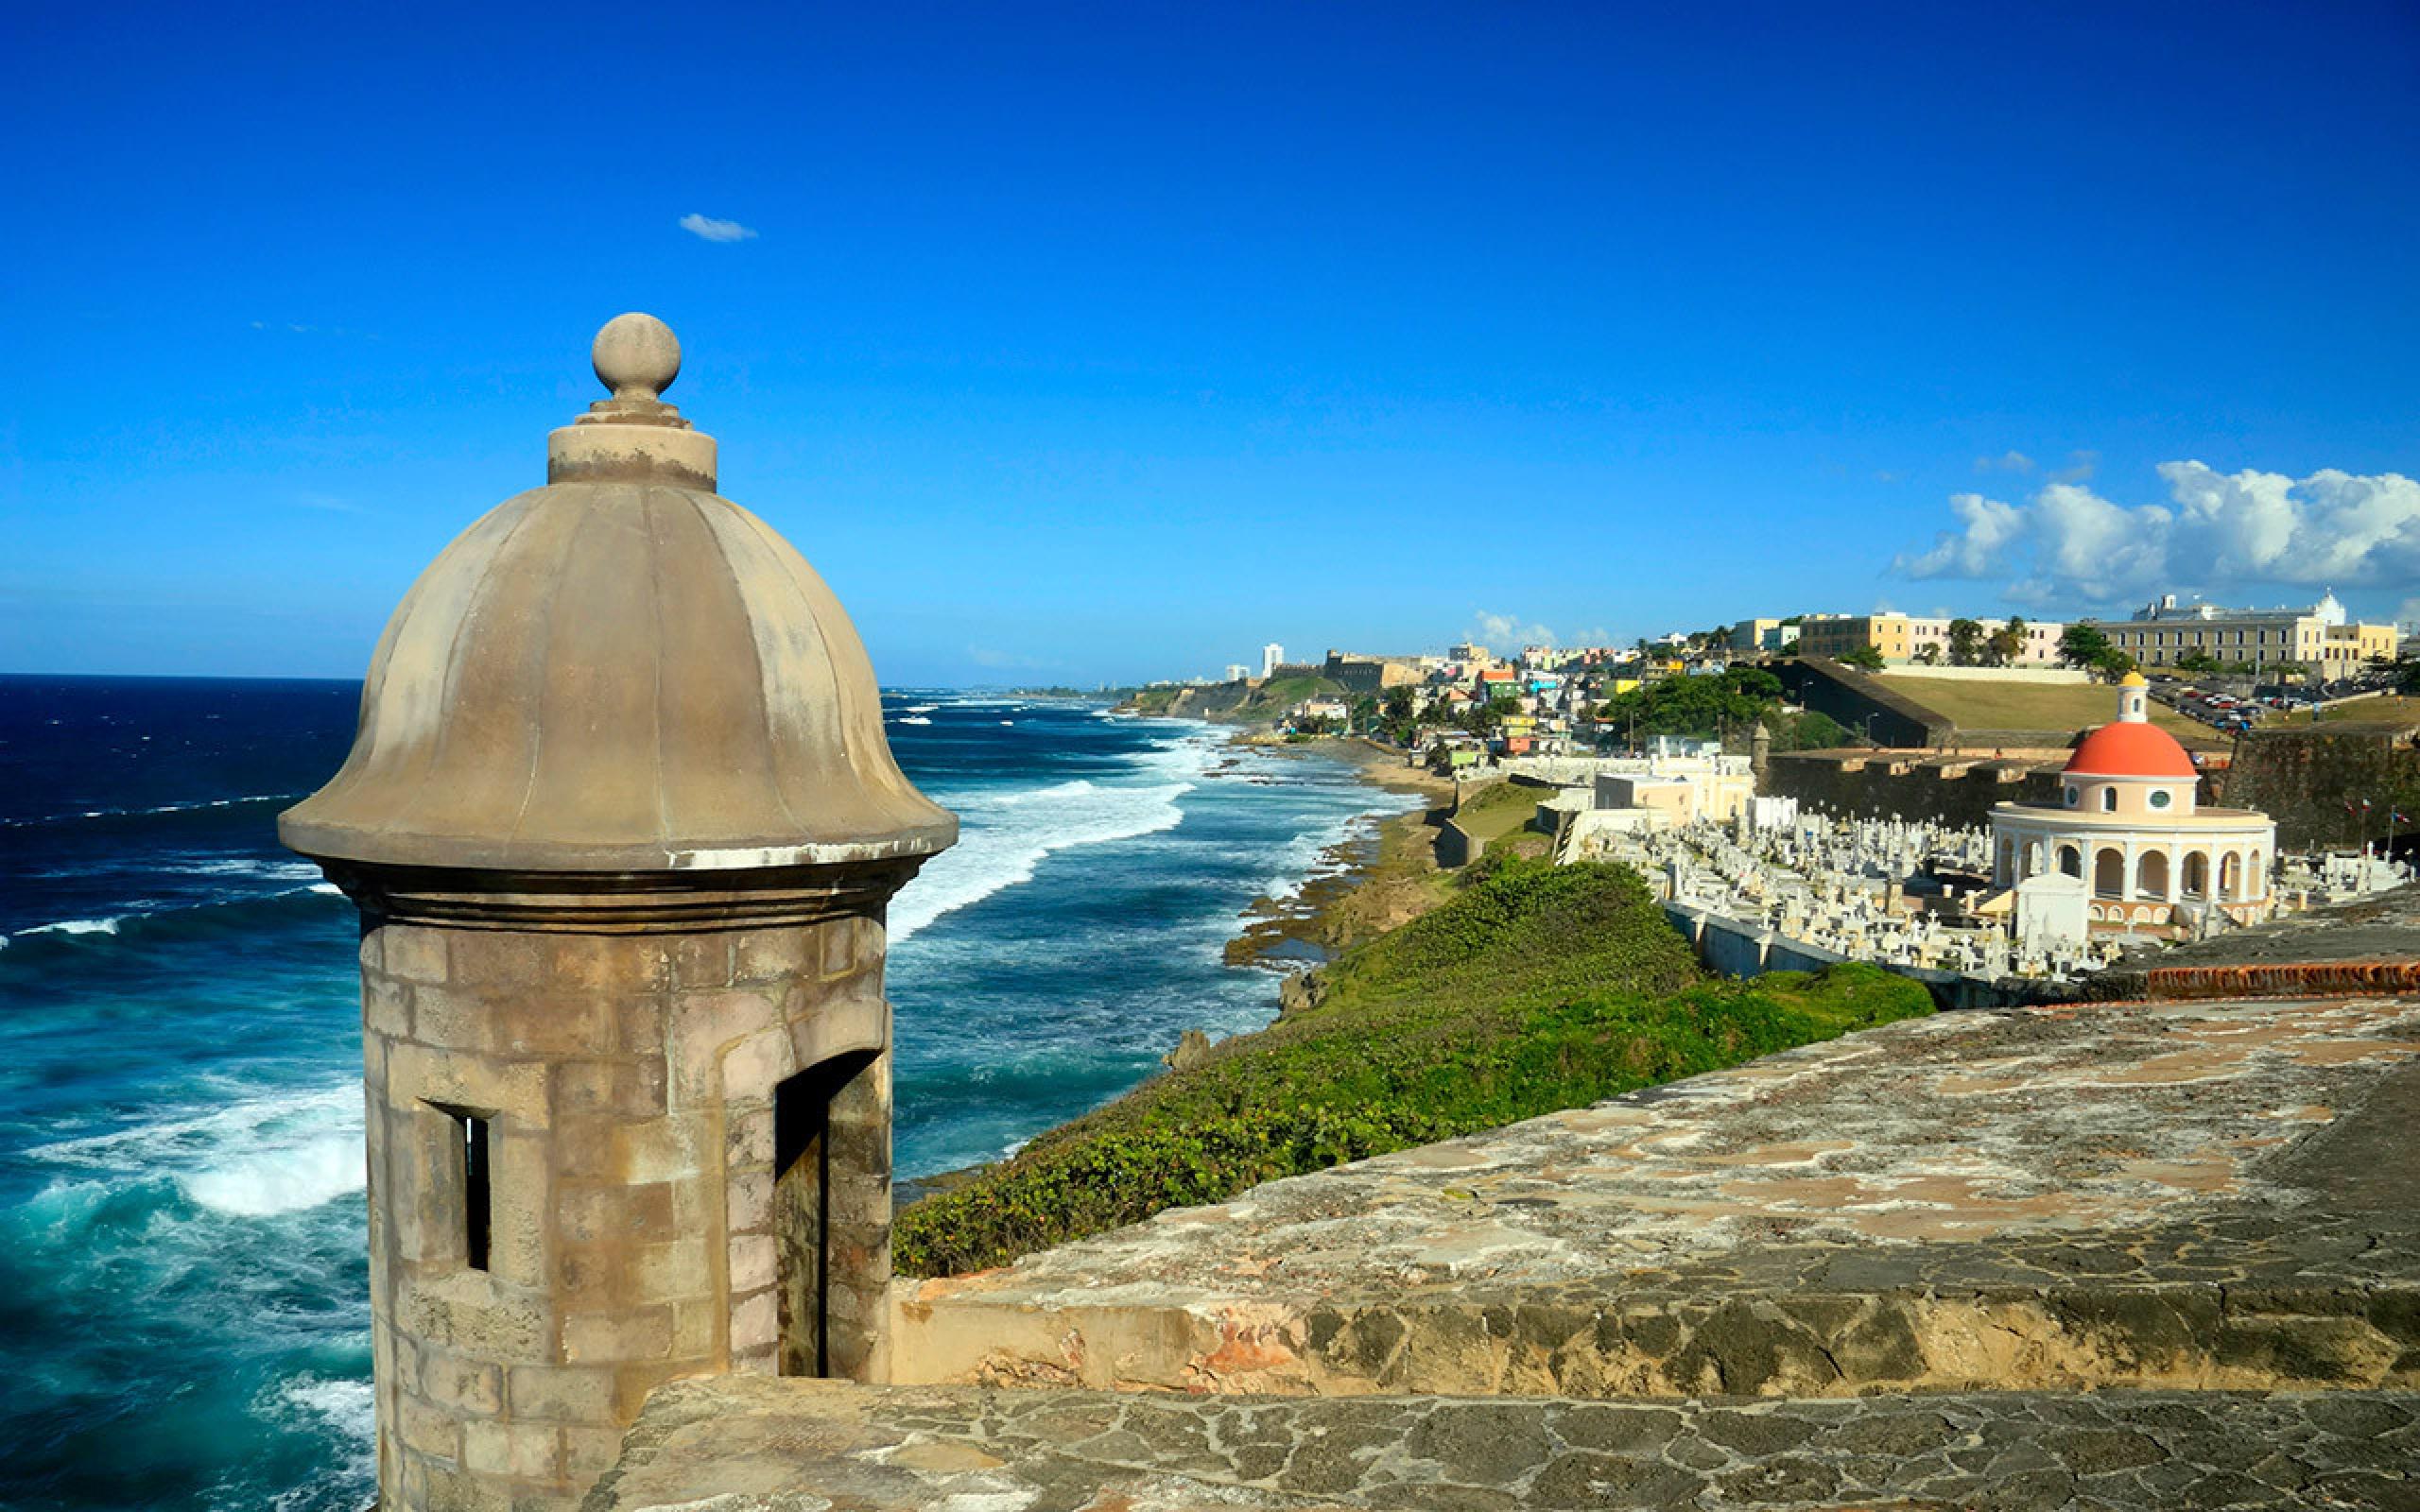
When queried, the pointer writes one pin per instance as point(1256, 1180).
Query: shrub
point(1537, 989)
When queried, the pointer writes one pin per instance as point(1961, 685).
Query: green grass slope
point(1537, 989)
point(1983, 703)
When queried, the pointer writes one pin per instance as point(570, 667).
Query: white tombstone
point(2050, 913)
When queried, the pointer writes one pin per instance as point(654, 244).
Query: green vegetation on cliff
point(1537, 989)
point(1231, 700)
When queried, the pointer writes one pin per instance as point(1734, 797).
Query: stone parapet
point(775, 1445)
point(2074, 1198)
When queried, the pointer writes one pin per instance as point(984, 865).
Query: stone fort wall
point(1908, 783)
point(635, 1209)
point(2304, 778)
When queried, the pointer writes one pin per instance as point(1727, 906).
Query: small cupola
point(620, 672)
point(2134, 699)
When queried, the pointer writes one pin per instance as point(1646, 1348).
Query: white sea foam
point(350, 1406)
point(921, 708)
point(249, 1158)
point(914, 719)
point(164, 808)
point(265, 870)
point(344, 1410)
point(1005, 835)
point(78, 926)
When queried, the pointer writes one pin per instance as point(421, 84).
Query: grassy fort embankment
point(1534, 988)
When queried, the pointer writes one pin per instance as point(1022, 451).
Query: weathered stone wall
point(2224, 1204)
point(1951, 791)
point(740, 1445)
point(2304, 778)
point(1736, 949)
point(1850, 697)
point(627, 1085)
point(1456, 846)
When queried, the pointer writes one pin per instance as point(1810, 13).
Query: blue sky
point(1081, 344)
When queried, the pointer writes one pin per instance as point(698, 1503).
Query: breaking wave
point(248, 1159)
point(215, 919)
point(196, 806)
point(1005, 835)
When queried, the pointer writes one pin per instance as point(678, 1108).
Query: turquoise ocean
point(183, 1309)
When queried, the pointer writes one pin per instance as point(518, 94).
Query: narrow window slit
point(469, 1145)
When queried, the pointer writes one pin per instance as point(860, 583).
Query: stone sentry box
point(622, 824)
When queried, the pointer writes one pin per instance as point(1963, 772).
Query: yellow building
point(2320, 639)
point(1905, 638)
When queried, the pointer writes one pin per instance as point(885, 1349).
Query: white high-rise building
point(1271, 655)
point(1238, 672)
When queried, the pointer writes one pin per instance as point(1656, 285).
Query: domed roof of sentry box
point(619, 672)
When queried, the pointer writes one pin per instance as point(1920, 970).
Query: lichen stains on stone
point(1881, 1217)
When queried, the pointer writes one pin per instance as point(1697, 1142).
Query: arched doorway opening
point(2071, 860)
point(2109, 873)
point(2197, 874)
point(2231, 876)
point(2150, 875)
point(831, 1212)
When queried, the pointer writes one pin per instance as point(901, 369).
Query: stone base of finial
point(618, 903)
point(594, 450)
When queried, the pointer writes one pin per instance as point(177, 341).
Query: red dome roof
point(2129, 749)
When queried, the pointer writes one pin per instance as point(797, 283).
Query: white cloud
point(1506, 632)
point(706, 228)
point(2005, 462)
point(2080, 468)
point(1985, 525)
point(2217, 531)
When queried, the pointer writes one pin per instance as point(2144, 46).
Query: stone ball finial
point(637, 355)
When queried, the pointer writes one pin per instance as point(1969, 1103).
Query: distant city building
point(1903, 638)
point(1238, 672)
point(2127, 824)
point(1763, 635)
point(1369, 674)
point(1271, 655)
point(2319, 638)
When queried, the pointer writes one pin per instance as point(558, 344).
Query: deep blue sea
point(183, 1309)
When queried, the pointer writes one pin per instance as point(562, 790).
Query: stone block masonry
point(632, 1201)
point(622, 824)
point(774, 1446)
point(2111, 1197)
point(1956, 791)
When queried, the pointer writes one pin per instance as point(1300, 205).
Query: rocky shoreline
point(1382, 875)
point(1378, 878)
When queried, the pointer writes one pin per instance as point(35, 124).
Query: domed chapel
point(2128, 823)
